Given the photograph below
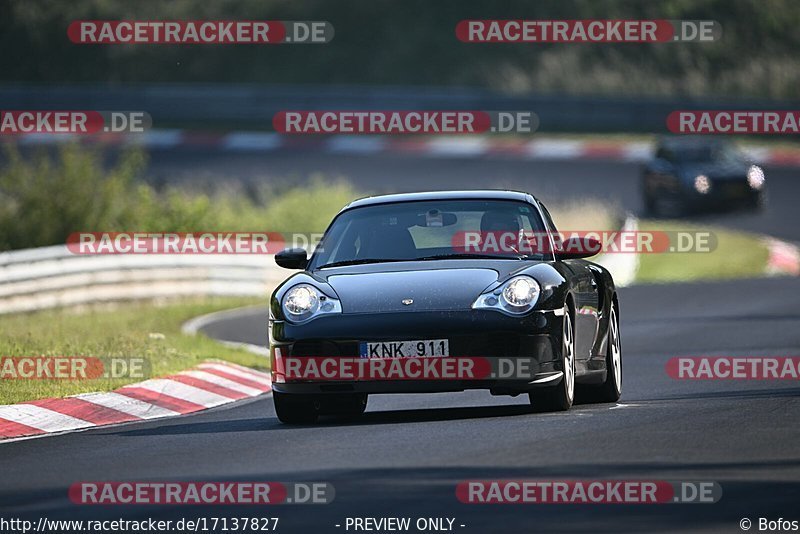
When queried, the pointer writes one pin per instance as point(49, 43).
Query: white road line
point(185, 392)
point(224, 382)
point(41, 418)
point(128, 405)
point(618, 405)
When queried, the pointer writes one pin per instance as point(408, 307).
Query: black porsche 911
point(391, 280)
point(695, 174)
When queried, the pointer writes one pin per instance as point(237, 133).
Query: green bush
point(44, 199)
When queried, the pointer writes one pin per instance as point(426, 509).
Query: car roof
point(485, 194)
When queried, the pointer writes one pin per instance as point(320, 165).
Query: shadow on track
point(389, 417)
point(774, 393)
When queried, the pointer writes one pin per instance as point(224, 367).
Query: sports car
point(696, 174)
point(438, 277)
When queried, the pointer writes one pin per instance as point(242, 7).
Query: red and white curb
point(784, 258)
point(463, 146)
point(209, 384)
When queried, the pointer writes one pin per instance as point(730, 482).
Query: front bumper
point(535, 337)
point(725, 194)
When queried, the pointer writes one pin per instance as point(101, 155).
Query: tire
point(668, 207)
point(295, 409)
point(611, 389)
point(560, 397)
point(649, 206)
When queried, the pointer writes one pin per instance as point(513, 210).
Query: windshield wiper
point(361, 261)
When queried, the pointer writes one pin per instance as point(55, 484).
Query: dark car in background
point(387, 281)
point(691, 175)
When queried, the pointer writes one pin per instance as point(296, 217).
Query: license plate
point(405, 349)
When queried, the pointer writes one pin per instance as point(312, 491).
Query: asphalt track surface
point(405, 457)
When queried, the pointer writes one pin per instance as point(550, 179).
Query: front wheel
point(559, 398)
point(668, 207)
point(611, 389)
point(295, 409)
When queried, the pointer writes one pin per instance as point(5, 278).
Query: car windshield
point(707, 153)
point(430, 230)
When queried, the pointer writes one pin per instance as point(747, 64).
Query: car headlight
point(702, 184)
point(516, 296)
point(520, 292)
point(304, 302)
point(755, 177)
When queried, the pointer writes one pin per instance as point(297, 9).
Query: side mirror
point(578, 247)
point(292, 258)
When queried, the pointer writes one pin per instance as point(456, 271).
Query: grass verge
point(119, 330)
point(737, 255)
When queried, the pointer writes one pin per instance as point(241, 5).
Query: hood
point(433, 289)
point(716, 170)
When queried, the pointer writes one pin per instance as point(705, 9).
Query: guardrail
point(52, 277)
point(49, 277)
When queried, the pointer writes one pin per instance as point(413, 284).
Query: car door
point(585, 291)
point(586, 308)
